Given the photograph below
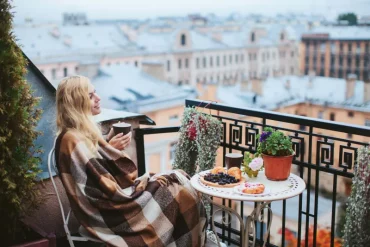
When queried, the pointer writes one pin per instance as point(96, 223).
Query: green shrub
point(18, 119)
point(274, 142)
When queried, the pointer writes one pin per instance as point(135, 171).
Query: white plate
point(238, 190)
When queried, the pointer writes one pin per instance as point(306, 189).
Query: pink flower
point(256, 164)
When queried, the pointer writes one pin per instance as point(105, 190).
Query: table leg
point(229, 211)
point(256, 216)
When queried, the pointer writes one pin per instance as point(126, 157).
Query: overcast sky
point(141, 9)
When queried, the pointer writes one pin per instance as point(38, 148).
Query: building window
point(180, 83)
point(211, 62)
point(263, 57)
point(65, 72)
point(349, 47)
point(341, 47)
point(351, 114)
point(292, 70)
point(204, 62)
point(172, 150)
point(282, 36)
point(76, 69)
point(320, 115)
point(186, 63)
point(241, 58)
point(267, 55)
point(197, 62)
point(183, 40)
point(179, 63)
point(367, 122)
point(168, 65)
point(230, 59)
point(255, 56)
point(53, 73)
point(292, 53)
point(332, 116)
point(136, 63)
point(218, 61)
point(366, 48)
point(224, 60)
point(252, 37)
point(236, 58)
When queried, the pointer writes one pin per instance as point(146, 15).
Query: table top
point(278, 190)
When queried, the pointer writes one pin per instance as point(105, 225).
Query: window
point(172, 150)
point(367, 122)
point(53, 73)
point(183, 40)
point(76, 69)
point(204, 62)
point(230, 59)
point(267, 55)
point(252, 37)
point(263, 57)
point(179, 63)
point(292, 70)
point(168, 65)
point(320, 115)
point(218, 61)
point(236, 58)
point(255, 56)
point(211, 62)
point(186, 63)
point(292, 53)
point(250, 57)
point(351, 114)
point(349, 47)
point(332, 116)
point(242, 58)
point(367, 48)
point(341, 47)
point(197, 62)
point(180, 83)
point(282, 36)
point(136, 63)
point(224, 60)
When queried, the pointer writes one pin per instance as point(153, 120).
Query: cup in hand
point(123, 128)
point(233, 160)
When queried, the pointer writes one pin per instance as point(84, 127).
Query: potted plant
point(200, 137)
point(276, 151)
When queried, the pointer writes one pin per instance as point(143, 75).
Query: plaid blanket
point(122, 210)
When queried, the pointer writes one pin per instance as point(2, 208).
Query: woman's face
point(94, 100)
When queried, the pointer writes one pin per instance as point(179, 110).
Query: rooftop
point(342, 32)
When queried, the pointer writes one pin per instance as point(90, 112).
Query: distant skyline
point(51, 10)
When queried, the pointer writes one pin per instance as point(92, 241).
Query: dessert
point(253, 188)
point(235, 172)
point(220, 177)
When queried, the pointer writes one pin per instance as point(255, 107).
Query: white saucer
point(238, 189)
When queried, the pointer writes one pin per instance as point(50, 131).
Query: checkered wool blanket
point(122, 210)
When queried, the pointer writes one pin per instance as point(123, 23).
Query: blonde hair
point(74, 108)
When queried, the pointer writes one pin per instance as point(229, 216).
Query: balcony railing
point(326, 152)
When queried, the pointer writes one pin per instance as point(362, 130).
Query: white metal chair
point(85, 236)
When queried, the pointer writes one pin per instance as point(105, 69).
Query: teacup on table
point(122, 127)
point(233, 160)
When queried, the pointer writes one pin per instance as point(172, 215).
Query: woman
point(102, 185)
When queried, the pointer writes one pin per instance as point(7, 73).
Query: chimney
point(350, 85)
point(287, 84)
point(154, 68)
point(367, 91)
point(257, 86)
point(217, 36)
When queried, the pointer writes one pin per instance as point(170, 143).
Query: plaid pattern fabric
point(122, 210)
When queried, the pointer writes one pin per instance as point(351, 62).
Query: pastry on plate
point(253, 188)
point(235, 172)
point(218, 169)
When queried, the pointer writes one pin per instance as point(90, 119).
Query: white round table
point(277, 190)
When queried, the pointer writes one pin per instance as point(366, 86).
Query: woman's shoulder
point(69, 139)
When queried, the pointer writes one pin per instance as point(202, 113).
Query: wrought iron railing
point(320, 150)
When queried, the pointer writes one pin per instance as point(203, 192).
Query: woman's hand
point(120, 141)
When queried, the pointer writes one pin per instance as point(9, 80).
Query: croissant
point(254, 188)
point(235, 172)
point(217, 169)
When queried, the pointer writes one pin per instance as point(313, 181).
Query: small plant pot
point(277, 168)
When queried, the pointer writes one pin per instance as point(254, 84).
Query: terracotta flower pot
point(277, 168)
